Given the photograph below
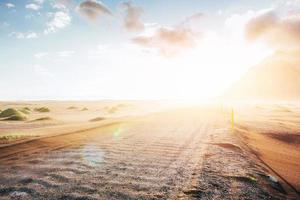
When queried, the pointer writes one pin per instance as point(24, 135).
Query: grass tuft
point(9, 112)
point(42, 109)
point(72, 107)
point(13, 115)
point(25, 110)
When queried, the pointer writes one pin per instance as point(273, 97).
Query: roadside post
point(232, 119)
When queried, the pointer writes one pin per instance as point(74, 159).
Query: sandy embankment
point(273, 133)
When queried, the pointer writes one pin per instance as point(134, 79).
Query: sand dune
point(276, 78)
point(275, 138)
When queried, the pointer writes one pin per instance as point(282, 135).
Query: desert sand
point(147, 150)
point(273, 134)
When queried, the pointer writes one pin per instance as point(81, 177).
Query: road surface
point(184, 154)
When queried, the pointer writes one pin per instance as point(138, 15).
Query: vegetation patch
point(11, 137)
point(72, 107)
point(25, 110)
point(9, 112)
point(279, 108)
point(13, 115)
point(42, 109)
point(84, 109)
point(112, 109)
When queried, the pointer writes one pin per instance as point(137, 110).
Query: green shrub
point(12, 114)
point(25, 110)
point(72, 107)
point(42, 109)
point(9, 112)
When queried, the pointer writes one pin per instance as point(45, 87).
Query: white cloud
point(10, 5)
point(170, 41)
point(96, 53)
point(59, 6)
point(27, 35)
point(33, 6)
point(41, 55)
point(292, 3)
point(93, 10)
point(132, 19)
point(42, 71)
point(65, 53)
point(62, 4)
point(39, 1)
point(277, 31)
point(60, 20)
point(4, 25)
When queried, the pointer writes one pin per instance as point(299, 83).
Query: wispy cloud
point(61, 54)
point(41, 55)
point(4, 25)
point(33, 6)
point(62, 4)
point(39, 1)
point(191, 20)
point(96, 53)
point(132, 19)
point(170, 41)
point(42, 71)
point(27, 35)
point(65, 53)
point(277, 31)
point(59, 20)
point(10, 5)
point(93, 10)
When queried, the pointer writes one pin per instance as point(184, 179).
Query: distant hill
point(276, 78)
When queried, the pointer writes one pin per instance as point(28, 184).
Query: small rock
point(275, 184)
point(18, 195)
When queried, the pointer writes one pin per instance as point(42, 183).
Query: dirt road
point(181, 154)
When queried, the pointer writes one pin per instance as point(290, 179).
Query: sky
point(142, 49)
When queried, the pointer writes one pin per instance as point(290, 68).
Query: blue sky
point(59, 50)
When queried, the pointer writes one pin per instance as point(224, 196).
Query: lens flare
point(117, 133)
point(92, 155)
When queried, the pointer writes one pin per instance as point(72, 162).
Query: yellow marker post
point(232, 119)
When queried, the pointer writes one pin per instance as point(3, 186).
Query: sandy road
point(173, 155)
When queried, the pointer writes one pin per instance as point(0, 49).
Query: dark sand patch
point(43, 119)
point(97, 119)
point(285, 137)
point(229, 146)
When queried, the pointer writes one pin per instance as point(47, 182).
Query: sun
point(209, 70)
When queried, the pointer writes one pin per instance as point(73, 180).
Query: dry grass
point(42, 109)
point(12, 114)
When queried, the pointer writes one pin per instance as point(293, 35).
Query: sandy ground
point(273, 134)
point(177, 154)
point(69, 116)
